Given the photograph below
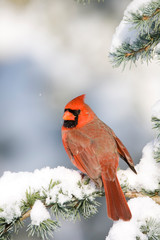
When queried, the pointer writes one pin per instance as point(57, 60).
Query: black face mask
point(71, 123)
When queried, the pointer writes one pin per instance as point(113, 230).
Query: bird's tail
point(117, 207)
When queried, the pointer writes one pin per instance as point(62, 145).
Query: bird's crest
point(76, 103)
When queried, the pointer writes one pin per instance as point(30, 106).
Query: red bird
point(95, 150)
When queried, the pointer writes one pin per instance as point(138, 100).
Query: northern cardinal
point(94, 149)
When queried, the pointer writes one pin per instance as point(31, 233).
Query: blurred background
point(50, 52)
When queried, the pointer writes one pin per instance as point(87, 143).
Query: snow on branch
point(138, 34)
point(147, 180)
point(144, 188)
point(70, 194)
point(156, 125)
point(66, 192)
point(144, 225)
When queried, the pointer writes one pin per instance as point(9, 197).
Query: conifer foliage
point(138, 35)
point(66, 193)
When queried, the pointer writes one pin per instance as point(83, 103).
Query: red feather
point(117, 207)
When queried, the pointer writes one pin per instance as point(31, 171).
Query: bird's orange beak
point(68, 116)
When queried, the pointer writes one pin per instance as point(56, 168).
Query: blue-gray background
point(50, 52)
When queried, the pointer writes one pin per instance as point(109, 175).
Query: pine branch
point(145, 17)
point(138, 35)
point(151, 229)
point(70, 209)
point(68, 194)
point(157, 154)
point(77, 207)
point(25, 215)
point(142, 48)
point(132, 194)
point(156, 123)
point(44, 230)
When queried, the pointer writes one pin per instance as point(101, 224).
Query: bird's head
point(77, 113)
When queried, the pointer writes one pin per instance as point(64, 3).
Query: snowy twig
point(145, 222)
point(26, 215)
point(147, 17)
point(145, 48)
point(138, 35)
point(132, 194)
point(65, 192)
point(144, 188)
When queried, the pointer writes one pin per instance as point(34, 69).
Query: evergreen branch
point(132, 194)
point(156, 123)
point(146, 17)
point(145, 223)
point(71, 209)
point(44, 230)
point(143, 29)
point(25, 215)
point(142, 48)
point(156, 150)
point(53, 197)
point(68, 194)
point(145, 22)
point(157, 154)
point(151, 229)
point(6, 229)
point(68, 210)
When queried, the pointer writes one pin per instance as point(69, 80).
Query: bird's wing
point(123, 152)
point(82, 149)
